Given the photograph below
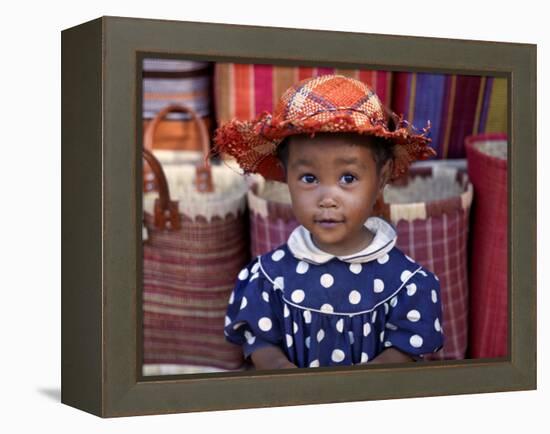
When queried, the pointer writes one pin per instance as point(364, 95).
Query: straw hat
point(327, 103)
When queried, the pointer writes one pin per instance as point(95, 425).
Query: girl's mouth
point(328, 223)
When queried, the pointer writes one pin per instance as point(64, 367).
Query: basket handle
point(166, 213)
point(203, 175)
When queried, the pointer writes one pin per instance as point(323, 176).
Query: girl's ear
point(385, 174)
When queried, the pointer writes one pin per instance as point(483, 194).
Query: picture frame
point(101, 223)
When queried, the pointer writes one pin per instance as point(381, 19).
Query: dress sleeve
point(252, 318)
point(414, 319)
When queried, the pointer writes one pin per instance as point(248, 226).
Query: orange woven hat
point(328, 103)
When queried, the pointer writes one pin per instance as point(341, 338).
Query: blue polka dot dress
point(323, 310)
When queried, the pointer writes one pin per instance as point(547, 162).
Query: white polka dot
point(244, 302)
point(378, 285)
point(314, 364)
point(279, 282)
point(297, 296)
point(436, 278)
point(256, 267)
point(351, 337)
point(278, 255)
point(338, 356)
point(405, 275)
point(327, 280)
point(393, 302)
point(355, 268)
point(327, 308)
point(386, 308)
point(373, 319)
point(225, 333)
point(391, 326)
point(366, 329)
point(307, 316)
point(320, 335)
point(286, 311)
point(308, 341)
point(295, 327)
point(382, 336)
point(265, 324)
point(387, 344)
point(437, 325)
point(354, 297)
point(434, 296)
point(265, 296)
point(409, 258)
point(302, 267)
point(411, 289)
point(413, 315)
point(364, 357)
point(227, 320)
point(243, 275)
point(423, 273)
point(238, 324)
point(289, 340)
point(250, 338)
point(254, 276)
point(416, 341)
point(383, 259)
point(340, 325)
point(232, 298)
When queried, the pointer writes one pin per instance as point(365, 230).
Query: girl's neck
point(364, 239)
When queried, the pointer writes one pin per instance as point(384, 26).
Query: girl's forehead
point(335, 146)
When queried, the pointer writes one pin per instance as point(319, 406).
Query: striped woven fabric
point(456, 105)
point(243, 91)
point(168, 81)
point(188, 278)
point(489, 248)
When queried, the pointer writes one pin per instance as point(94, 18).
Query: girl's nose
point(327, 201)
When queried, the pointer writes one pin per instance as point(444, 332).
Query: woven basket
point(430, 210)
point(271, 216)
point(488, 167)
point(195, 246)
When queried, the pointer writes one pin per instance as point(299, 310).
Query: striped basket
point(430, 210)
point(244, 91)
point(488, 167)
point(271, 216)
point(193, 248)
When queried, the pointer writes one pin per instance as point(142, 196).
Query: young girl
point(338, 292)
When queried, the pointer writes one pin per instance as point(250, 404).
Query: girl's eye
point(347, 178)
point(308, 179)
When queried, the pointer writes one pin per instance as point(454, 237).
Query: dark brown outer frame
point(101, 208)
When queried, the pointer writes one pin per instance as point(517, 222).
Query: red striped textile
point(188, 276)
point(244, 91)
point(489, 250)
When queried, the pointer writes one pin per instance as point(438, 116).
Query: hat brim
point(253, 143)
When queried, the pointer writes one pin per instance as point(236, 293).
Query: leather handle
point(166, 212)
point(203, 178)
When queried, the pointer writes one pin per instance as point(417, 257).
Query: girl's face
point(333, 185)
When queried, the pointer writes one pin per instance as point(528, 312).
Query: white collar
point(302, 247)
